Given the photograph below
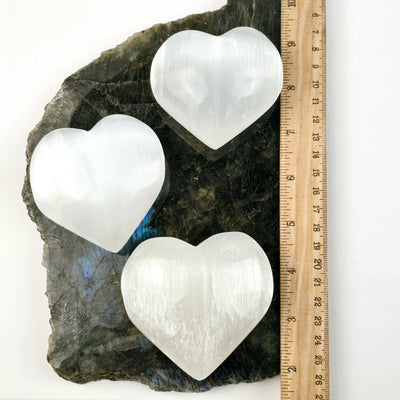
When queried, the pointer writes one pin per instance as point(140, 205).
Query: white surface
point(101, 183)
point(217, 86)
point(197, 303)
point(364, 189)
point(364, 198)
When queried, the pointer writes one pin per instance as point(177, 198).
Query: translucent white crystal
point(197, 304)
point(216, 86)
point(100, 183)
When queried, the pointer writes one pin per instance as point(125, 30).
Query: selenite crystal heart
point(197, 304)
point(217, 86)
point(100, 183)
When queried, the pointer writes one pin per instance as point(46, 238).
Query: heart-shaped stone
point(100, 183)
point(217, 86)
point(197, 304)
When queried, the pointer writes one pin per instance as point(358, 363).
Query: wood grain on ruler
point(304, 284)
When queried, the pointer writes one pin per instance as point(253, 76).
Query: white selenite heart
point(217, 86)
point(100, 183)
point(197, 304)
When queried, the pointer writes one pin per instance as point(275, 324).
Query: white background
point(44, 41)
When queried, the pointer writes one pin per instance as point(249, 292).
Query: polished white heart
point(197, 304)
point(217, 86)
point(100, 183)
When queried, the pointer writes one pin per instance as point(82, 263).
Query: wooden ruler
point(303, 211)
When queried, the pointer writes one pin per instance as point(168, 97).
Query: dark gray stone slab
point(235, 189)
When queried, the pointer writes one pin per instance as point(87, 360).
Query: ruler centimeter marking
point(303, 203)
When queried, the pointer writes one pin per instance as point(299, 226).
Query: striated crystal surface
point(101, 183)
point(197, 304)
point(216, 86)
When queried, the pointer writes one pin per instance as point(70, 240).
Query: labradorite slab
point(207, 192)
